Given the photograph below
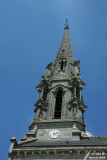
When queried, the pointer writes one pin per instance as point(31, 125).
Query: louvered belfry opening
point(58, 105)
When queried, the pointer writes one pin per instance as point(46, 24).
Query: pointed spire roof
point(65, 52)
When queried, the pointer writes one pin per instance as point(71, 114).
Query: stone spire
point(60, 88)
point(64, 59)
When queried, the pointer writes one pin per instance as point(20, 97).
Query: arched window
point(58, 105)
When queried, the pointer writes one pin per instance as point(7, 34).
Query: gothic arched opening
point(58, 105)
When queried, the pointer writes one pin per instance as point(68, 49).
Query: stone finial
point(13, 142)
point(13, 139)
point(49, 66)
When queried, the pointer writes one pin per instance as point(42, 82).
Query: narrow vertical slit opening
point(62, 65)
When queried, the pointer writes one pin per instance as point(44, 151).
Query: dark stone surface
point(92, 141)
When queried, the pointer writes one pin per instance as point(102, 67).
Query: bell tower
point(58, 127)
point(59, 93)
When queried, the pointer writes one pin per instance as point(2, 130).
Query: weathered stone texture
point(58, 128)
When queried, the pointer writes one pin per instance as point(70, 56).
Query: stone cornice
point(56, 122)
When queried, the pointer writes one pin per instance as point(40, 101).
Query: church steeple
point(59, 93)
point(58, 128)
point(60, 88)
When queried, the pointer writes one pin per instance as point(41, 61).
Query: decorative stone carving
point(49, 66)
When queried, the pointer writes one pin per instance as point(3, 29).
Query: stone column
point(80, 88)
point(39, 92)
point(63, 108)
point(37, 114)
point(80, 94)
point(42, 92)
point(52, 102)
point(83, 117)
point(74, 90)
point(74, 110)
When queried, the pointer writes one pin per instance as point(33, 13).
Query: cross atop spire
point(66, 25)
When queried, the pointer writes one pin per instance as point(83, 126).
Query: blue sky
point(30, 34)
